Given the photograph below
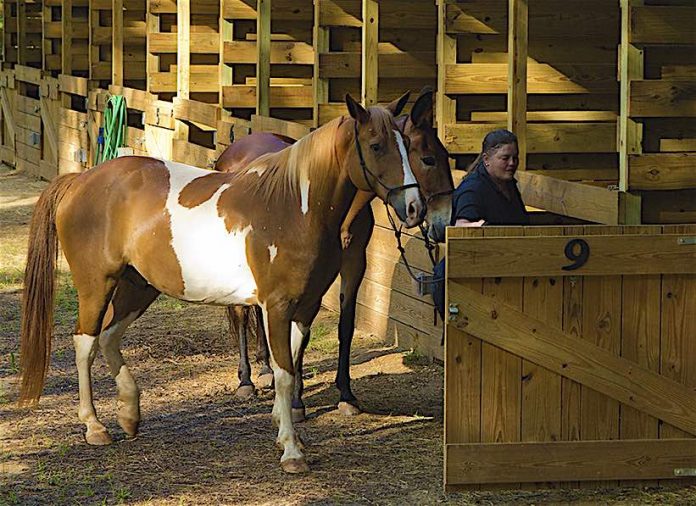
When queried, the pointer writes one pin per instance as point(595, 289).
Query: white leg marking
point(85, 351)
point(297, 333)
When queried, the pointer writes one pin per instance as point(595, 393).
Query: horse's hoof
point(98, 437)
point(245, 392)
point(295, 466)
point(129, 426)
point(348, 409)
point(265, 381)
point(298, 415)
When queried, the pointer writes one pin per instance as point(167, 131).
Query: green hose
point(115, 125)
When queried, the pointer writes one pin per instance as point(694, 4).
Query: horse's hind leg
point(265, 377)
point(133, 295)
point(238, 316)
point(299, 332)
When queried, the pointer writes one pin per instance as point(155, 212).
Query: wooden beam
point(640, 459)
point(662, 171)
point(630, 68)
point(511, 330)
point(652, 24)
point(198, 112)
point(263, 57)
point(445, 106)
point(8, 115)
point(278, 126)
point(183, 61)
point(152, 22)
point(320, 45)
point(369, 63)
point(547, 256)
point(66, 43)
point(226, 37)
point(663, 98)
point(518, 15)
point(49, 129)
point(117, 43)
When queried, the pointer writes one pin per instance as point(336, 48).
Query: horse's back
point(242, 152)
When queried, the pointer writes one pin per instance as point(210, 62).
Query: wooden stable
point(570, 355)
point(600, 94)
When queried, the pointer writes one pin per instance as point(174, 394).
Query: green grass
point(321, 338)
point(413, 358)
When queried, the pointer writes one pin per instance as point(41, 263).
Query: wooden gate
point(570, 355)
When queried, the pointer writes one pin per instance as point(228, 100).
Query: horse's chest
point(213, 260)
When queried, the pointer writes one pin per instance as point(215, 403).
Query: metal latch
point(683, 241)
point(453, 311)
point(425, 284)
point(685, 471)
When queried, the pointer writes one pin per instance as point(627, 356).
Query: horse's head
point(381, 162)
point(430, 163)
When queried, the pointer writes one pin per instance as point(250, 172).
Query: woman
point(487, 196)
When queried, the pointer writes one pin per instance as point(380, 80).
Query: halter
point(367, 171)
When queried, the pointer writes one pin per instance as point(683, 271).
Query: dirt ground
point(200, 445)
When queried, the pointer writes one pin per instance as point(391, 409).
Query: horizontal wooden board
point(201, 43)
point(654, 24)
point(488, 78)
point(348, 13)
point(280, 96)
point(282, 52)
point(199, 112)
point(546, 256)
point(278, 126)
point(663, 98)
point(202, 79)
point(580, 360)
point(662, 171)
point(545, 116)
point(567, 460)
point(391, 65)
point(72, 84)
point(557, 137)
point(193, 154)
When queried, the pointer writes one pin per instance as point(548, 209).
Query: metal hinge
point(685, 471)
point(683, 241)
point(453, 311)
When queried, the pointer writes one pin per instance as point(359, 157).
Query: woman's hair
point(492, 141)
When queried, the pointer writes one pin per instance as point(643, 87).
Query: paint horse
point(429, 160)
point(135, 227)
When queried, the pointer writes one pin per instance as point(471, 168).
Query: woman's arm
point(462, 222)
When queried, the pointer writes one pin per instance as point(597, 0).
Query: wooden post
point(183, 61)
point(152, 27)
point(630, 67)
point(445, 107)
point(263, 57)
point(21, 32)
point(321, 45)
point(66, 43)
point(369, 57)
point(117, 42)
point(518, 15)
point(226, 35)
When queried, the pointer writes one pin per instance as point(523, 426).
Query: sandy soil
point(198, 443)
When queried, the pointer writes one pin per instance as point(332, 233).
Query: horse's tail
point(39, 286)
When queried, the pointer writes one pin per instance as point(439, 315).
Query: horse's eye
point(375, 147)
point(429, 160)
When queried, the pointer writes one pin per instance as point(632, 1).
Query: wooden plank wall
point(493, 396)
point(659, 107)
point(572, 99)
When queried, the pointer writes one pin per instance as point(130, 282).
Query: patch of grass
point(11, 279)
point(165, 302)
point(321, 338)
point(413, 358)
point(9, 498)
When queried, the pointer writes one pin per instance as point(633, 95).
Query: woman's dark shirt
point(479, 198)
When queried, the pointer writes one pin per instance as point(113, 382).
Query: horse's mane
point(314, 157)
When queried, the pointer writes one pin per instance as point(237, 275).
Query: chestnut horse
point(134, 227)
point(429, 160)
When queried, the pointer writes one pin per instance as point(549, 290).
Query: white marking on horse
point(214, 264)
point(409, 178)
point(272, 251)
point(259, 169)
point(304, 194)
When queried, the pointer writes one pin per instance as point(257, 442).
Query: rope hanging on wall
point(113, 134)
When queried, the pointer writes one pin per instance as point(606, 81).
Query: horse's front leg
point(237, 317)
point(352, 272)
point(265, 377)
point(284, 351)
point(302, 332)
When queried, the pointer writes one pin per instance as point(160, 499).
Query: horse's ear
point(357, 111)
point(398, 105)
point(422, 111)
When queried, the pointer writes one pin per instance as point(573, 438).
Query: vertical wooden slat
point(518, 15)
point(463, 377)
point(66, 55)
point(445, 107)
point(263, 57)
point(226, 35)
point(501, 371)
point(541, 388)
point(117, 42)
point(22, 47)
point(678, 328)
point(640, 339)
point(630, 68)
point(572, 325)
point(602, 327)
point(320, 42)
point(152, 22)
point(369, 62)
point(183, 61)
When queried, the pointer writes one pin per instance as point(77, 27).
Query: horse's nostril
point(412, 211)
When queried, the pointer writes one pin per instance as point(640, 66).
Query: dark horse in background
point(135, 227)
point(430, 162)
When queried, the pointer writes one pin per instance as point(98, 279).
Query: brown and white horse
point(430, 162)
point(134, 227)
